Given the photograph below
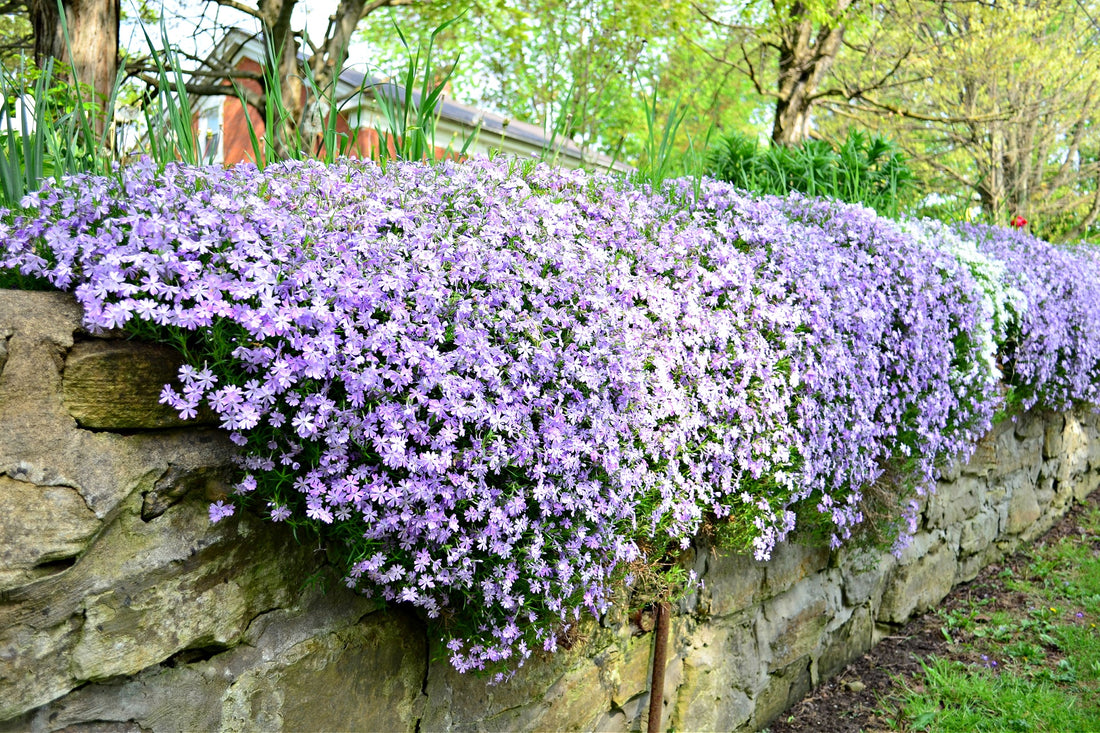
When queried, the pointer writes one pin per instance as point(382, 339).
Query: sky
point(191, 25)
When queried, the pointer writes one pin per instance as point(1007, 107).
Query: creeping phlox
point(1051, 355)
point(1001, 304)
point(890, 357)
point(500, 388)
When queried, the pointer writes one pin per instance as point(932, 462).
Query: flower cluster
point(499, 388)
point(1051, 354)
point(889, 360)
point(1001, 304)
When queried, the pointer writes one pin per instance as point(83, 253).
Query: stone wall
point(123, 609)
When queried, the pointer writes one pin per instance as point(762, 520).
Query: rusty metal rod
point(660, 660)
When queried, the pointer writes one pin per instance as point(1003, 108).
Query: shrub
point(888, 363)
point(861, 170)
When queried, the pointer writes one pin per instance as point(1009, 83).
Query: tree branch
point(909, 114)
point(251, 97)
point(1083, 225)
point(240, 7)
point(721, 23)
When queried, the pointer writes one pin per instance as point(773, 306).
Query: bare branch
point(376, 4)
point(1088, 220)
point(240, 7)
point(880, 106)
point(752, 72)
point(745, 29)
point(251, 97)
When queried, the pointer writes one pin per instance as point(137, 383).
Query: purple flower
point(504, 381)
point(219, 510)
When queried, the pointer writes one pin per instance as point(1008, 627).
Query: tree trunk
point(805, 57)
point(93, 32)
point(276, 16)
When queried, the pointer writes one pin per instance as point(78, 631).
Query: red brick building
point(223, 132)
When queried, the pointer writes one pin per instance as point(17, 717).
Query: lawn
point(1017, 649)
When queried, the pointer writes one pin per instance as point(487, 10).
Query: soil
point(856, 699)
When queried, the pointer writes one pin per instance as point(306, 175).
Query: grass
point(1027, 661)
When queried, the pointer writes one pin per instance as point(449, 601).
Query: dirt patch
point(853, 700)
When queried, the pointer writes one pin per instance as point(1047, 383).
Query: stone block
point(1074, 453)
point(1030, 425)
point(318, 666)
point(790, 563)
point(793, 622)
point(1052, 435)
point(954, 502)
point(137, 620)
point(1083, 485)
point(211, 482)
point(969, 567)
point(862, 575)
point(843, 645)
point(719, 666)
point(5, 334)
point(731, 583)
point(1093, 434)
point(784, 688)
point(1023, 509)
point(32, 671)
point(978, 533)
point(983, 459)
point(365, 677)
point(951, 469)
point(43, 529)
point(1044, 493)
point(116, 385)
point(1014, 455)
point(919, 584)
point(569, 690)
point(622, 665)
point(145, 591)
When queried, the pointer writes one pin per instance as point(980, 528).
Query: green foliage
point(863, 169)
point(660, 139)
point(995, 103)
point(570, 66)
point(281, 138)
point(957, 697)
point(55, 133)
point(51, 132)
point(169, 119)
point(1035, 664)
point(411, 117)
point(48, 133)
point(15, 36)
point(408, 117)
point(23, 150)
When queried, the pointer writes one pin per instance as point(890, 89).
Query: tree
point(292, 55)
point(1015, 123)
point(92, 29)
point(580, 68)
point(16, 39)
point(787, 49)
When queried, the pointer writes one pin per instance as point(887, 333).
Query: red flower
point(1019, 222)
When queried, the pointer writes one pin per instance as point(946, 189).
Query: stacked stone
point(123, 607)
